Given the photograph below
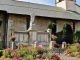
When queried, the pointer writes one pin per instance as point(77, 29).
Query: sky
point(46, 2)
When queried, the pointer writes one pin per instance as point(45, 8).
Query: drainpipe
point(5, 29)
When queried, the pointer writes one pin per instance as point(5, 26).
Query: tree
point(67, 33)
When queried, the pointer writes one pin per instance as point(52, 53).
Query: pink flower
point(41, 47)
point(43, 56)
point(5, 59)
point(71, 55)
point(8, 49)
point(77, 44)
point(56, 56)
point(16, 58)
point(40, 59)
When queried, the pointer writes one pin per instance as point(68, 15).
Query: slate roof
point(27, 8)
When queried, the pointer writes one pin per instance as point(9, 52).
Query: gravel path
point(69, 58)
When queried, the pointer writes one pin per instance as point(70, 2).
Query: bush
point(53, 27)
point(67, 33)
point(56, 45)
point(72, 48)
point(76, 37)
point(59, 39)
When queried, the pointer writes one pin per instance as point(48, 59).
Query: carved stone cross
point(32, 18)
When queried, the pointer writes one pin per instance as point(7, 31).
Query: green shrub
point(72, 48)
point(67, 35)
point(52, 26)
point(59, 39)
point(76, 37)
point(28, 57)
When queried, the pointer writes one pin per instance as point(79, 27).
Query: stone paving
point(68, 58)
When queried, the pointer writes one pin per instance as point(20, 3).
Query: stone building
point(16, 16)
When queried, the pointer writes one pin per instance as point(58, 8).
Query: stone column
point(33, 36)
point(12, 45)
point(32, 30)
point(63, 45)
point(52, 44)
point(49, 31)
point(36, 44)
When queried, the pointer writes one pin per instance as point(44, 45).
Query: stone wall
point(16, 23)
point(60, 24)
point(42, 23)
point(77, 26)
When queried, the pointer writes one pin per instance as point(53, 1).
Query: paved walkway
point(69, 58)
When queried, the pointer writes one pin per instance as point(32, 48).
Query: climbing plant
point(52, 25)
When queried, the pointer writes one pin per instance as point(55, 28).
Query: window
point(28, 23)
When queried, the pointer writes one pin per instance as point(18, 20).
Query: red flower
point(40, 59)
point(71, 55)
point(16, 58)
point(56, 45)
point(78, 53)
point(56, 56)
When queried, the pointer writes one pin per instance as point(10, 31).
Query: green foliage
point(53, 27)
point(1, 53)
point(59, 39)
point(76, 37)
point(24, 52)
point(28, 57)
point(67, 35)
point(72, 48)
point(9, 54)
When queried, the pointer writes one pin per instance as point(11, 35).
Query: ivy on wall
point(52, 26)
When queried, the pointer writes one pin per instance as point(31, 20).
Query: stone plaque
point(25, 37)
point(34, 36)
point(17, 37)
point(21, 37)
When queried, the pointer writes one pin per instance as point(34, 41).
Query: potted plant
point(12, 38)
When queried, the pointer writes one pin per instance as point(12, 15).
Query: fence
point(26, 38)
point(21, 38)
point(43, 38)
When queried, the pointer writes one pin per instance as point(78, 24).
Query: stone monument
point(32, 30)
point(32, 25)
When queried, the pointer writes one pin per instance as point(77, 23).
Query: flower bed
point(28, 53)
point(73, 50)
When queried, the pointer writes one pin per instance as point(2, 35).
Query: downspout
point(5, 28)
